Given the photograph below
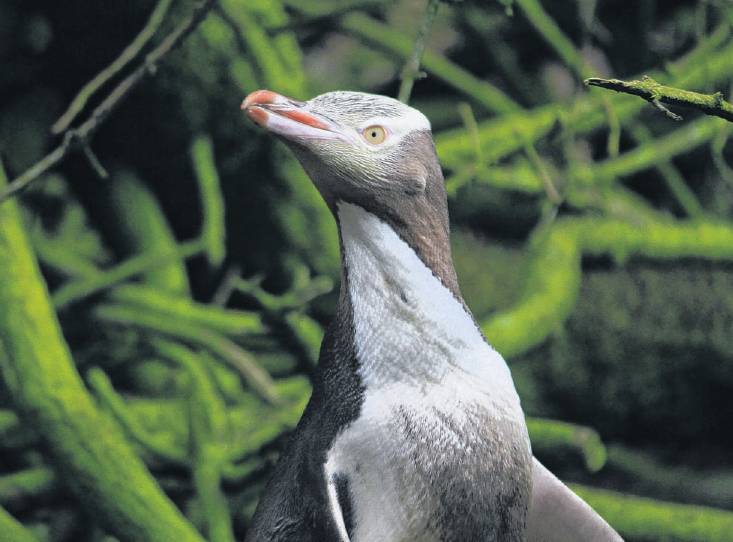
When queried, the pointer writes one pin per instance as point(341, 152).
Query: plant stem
point(393, 41)
point(127, 55)
point(411, 71)
point(84, 287)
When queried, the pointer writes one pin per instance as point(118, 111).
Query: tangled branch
point(79, 138)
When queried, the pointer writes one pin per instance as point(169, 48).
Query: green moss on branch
point(88, 449)
point(213, 231)
point(642, 519)
point(553, 437)
point(520, 176)
point(554, 272)
point(411, 70)
point(145, 230)
point(12, 530)
point(227, 321)
point(257, 378)
point(653, 92)
point(154, 445)
point(208, 430)
point(501, 136)
point(78, 289)
point(28, 483)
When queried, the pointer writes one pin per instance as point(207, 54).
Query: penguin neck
point(385, 237)
point(409, 321)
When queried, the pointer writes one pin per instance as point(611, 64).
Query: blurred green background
point(592, 236)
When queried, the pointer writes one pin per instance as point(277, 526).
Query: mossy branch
point(644, 474)
point(27, 483)
point(229, 322)
point(78, 289)
point(501, 136)
point(639, 518)
point(586, 181)
point(214, 228)
point(226, 350)
point(658, 94)
point(672, 177)
point(208, 430)
point(553, 436)
point(97, 463)
point(144, 228)
point(115, 404)
point(554, 272)
point(12, 530)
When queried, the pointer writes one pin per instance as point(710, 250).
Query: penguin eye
point(374, 134)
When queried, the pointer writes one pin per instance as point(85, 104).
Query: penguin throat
point(408, 326)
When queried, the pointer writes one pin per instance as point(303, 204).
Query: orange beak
point(286, 117)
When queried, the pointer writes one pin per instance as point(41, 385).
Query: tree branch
point(100, 468)
point(411, 71)
point(656, 94)
point(76, 138)
point(129, 53)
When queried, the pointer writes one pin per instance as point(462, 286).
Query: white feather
point(419, 352)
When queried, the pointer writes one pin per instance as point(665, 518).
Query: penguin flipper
point(556, 514)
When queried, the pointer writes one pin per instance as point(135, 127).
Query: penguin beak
point(287, 117)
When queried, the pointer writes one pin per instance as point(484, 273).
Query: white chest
point(432, 384)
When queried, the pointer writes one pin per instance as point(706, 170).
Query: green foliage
point(642, 520)
point(213, 229)
point(98, 464)
point(661, 348)
point(145, 229)
point(13, 530)
point(551, 437)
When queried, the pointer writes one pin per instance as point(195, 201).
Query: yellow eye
point(374, 134)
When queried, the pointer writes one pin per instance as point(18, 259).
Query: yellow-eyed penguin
point(414, 431)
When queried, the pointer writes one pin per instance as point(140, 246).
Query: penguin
point(414, 431)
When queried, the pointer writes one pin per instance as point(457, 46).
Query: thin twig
point(127, 55)
point(553, 34)
point(226, 350)
point(96, 164)
point(76, 290)
point(394, 42)
point(76, 138)
point(614, 129)
point(110, 399)
point(674, 180)
point(469, 122)
point(411, 71)
point(547, 183)
point(656, 94)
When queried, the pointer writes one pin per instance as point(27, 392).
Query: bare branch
point(411, 71)
point(127, 55)
point(656, 94)
point(77, 138)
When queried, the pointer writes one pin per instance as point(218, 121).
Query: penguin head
point(355, 147)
